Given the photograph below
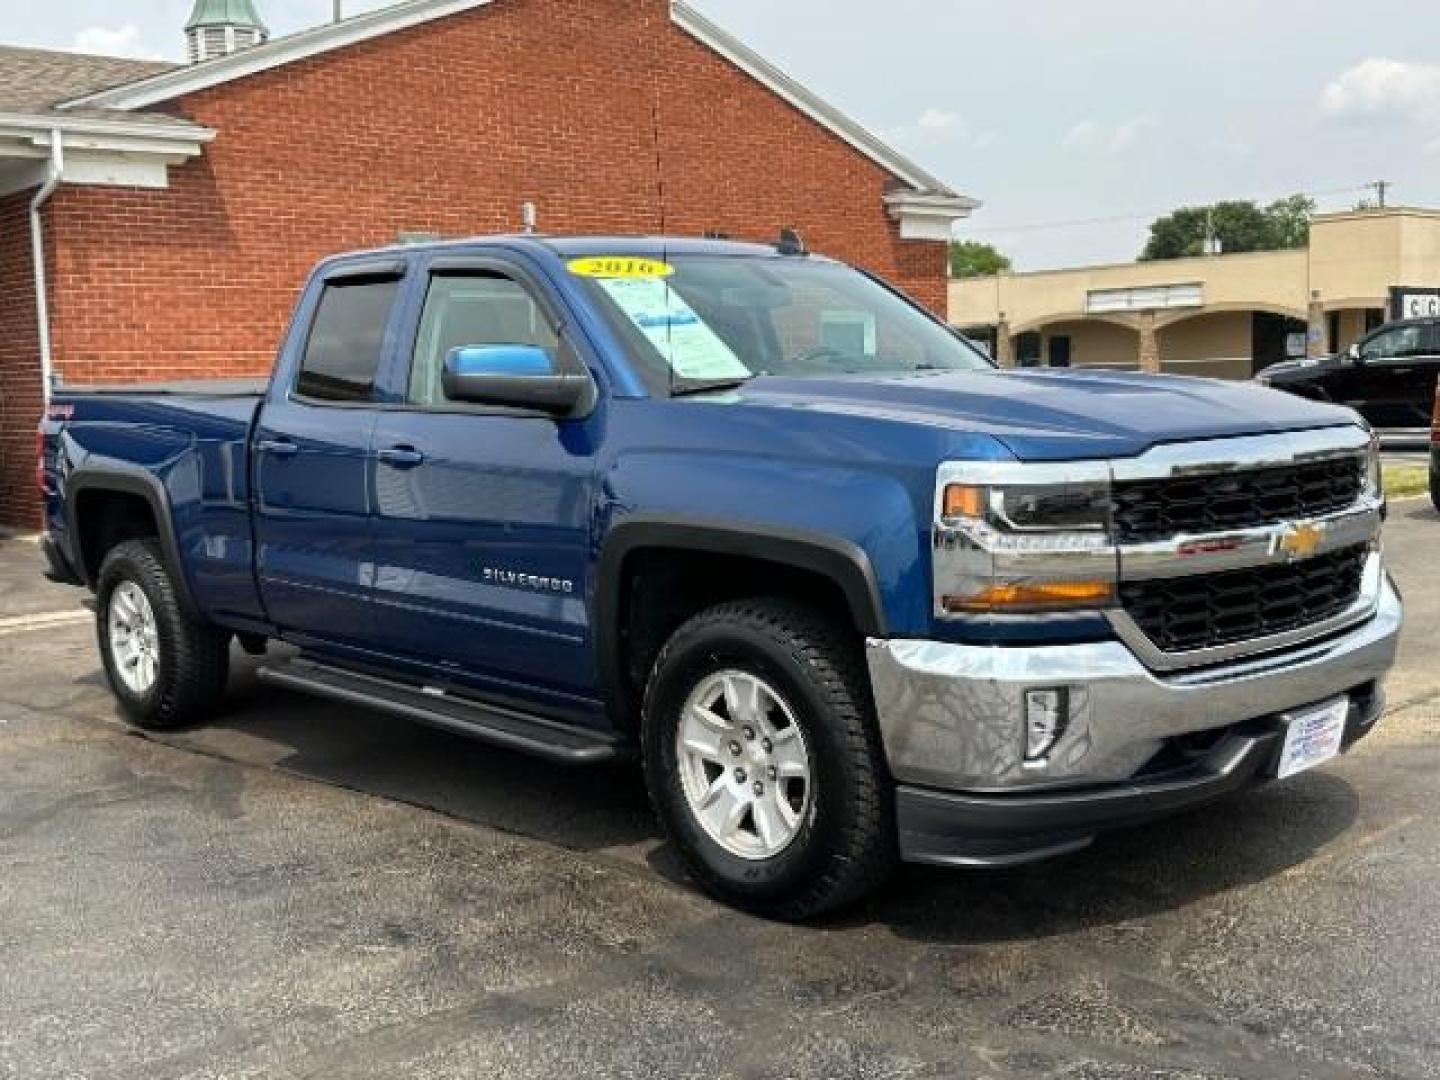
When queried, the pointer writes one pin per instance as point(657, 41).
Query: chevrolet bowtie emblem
point(1298, 542)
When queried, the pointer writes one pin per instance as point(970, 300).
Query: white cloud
point(1117, 138)
point(939, 127)
point(1084, 133)
point(1131, 133)
point(1381, 89)
point(114, 41)
point(938, 120)
point(1229, 147)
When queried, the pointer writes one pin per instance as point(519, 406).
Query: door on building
point(1059, 349)
point(1272, 337)
point(1027, 349)
point(482, 515)
point(312, 466)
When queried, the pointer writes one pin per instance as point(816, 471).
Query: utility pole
point(1211, 245)
point(339, 14)
point(1381, 187)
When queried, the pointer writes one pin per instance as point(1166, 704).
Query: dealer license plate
point(1313, 737)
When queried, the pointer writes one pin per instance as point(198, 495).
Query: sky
point(1074, 123)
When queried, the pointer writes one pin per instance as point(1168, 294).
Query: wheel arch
point(136, 484)
point(839, 562)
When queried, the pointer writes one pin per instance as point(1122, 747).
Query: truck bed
point(181, 445)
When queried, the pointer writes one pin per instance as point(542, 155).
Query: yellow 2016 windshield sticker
point(619, 266)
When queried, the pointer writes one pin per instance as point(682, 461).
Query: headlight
point(1020, 539)
point(1374, 471)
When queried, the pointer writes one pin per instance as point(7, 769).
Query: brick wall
point(448, 128)
point(443, 128)
point(19, 367)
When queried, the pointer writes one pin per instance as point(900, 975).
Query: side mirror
point(513, 377)
point(1354, 355)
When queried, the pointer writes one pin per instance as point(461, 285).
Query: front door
point(482, 515)
point(312, 468)
point(1394, 376)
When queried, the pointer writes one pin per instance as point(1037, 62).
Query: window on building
point(1144, 298)
point(472, 310)
point(347, 341)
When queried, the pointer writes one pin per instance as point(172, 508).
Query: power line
point(1145, 216)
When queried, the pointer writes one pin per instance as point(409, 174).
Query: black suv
point(1388, 376)
point(1435, 453)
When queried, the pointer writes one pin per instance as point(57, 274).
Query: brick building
point(179, 207)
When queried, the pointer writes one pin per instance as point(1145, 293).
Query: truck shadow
point(393, 758)
point(1252, 837)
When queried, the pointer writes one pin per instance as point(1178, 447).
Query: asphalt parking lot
point(302, 890)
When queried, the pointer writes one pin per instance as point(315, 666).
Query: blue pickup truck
point(752, 517)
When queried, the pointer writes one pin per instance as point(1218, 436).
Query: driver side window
point(471, 309)
point(1403, 341)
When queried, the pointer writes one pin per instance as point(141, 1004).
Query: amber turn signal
point(962, 500)
point(1035, 596)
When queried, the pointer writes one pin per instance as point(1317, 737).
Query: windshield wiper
point(686, 387)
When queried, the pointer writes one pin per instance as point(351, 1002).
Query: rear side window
point(342, 357)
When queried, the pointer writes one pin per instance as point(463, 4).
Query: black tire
point(193, 658)
point(845, 846)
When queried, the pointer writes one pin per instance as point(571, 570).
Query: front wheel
point(763, 763)
point(166, 668)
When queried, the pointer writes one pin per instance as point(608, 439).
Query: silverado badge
point(1298, 542)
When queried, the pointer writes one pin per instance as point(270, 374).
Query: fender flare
point(127, 482)
point(839, 560)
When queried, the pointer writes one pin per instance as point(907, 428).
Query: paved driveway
point(303, 890)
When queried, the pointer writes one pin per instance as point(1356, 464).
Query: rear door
point(1420, 389)
point(313, 467)
point(482, 515)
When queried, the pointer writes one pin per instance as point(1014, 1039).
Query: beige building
point(1223, 316)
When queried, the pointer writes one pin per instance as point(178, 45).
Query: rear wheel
point(166, 668)
point(763, 763)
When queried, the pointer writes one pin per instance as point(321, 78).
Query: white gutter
point(37, 249)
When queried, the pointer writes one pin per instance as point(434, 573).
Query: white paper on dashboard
point(693, 350)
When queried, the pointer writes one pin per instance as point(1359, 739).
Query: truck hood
point(1057, 415)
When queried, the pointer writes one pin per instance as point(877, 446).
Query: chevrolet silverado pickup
point(849, 594)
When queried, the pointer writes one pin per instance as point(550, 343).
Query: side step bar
point(514, 730)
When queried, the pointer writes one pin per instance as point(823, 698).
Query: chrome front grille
point(1158, 509)
point(1205, 611)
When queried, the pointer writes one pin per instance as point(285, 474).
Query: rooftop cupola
point(221, 27)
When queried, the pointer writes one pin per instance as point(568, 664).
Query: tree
point(970, 258)
point(1240, 225)
point(1292, 220)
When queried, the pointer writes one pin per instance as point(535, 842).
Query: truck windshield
point(702, 321)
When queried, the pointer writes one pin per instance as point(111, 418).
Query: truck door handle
point(402, 457)
point(279, 447)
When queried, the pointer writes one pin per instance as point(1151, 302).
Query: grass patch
point(1403, 481)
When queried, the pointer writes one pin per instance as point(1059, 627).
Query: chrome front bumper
point(952, 716)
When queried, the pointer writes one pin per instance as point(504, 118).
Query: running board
point(513, 730)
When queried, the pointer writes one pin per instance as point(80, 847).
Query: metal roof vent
point(221, 27)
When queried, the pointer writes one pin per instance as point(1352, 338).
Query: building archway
point(1081, 342)
point(1231, 341)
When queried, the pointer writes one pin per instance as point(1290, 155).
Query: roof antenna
point(791, 242)
point(529, 217)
